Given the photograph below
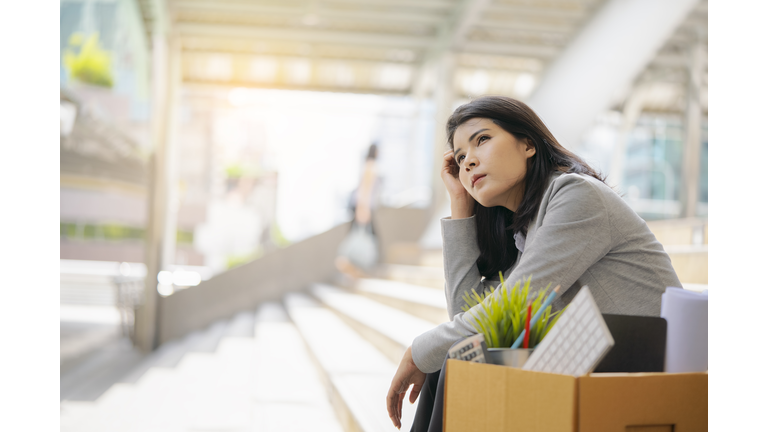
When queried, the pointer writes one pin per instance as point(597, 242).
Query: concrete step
point(356, 373)
point(419, 301)
point(172, 352)
point(78, 340)
point(432, 277)
point(262, 382)
point(96, 373)
point(297, 391)
point(92, 289)
point(390, 330)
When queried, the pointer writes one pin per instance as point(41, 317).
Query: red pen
point(527, 327)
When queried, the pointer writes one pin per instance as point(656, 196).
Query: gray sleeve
point(460, 253)
point(573, 234)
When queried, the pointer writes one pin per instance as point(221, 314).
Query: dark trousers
point(429, 412)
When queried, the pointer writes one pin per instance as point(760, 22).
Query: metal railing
point(129, 293)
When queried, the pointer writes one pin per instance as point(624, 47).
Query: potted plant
point(501, 319)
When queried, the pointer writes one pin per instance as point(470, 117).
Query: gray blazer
point(583, 234)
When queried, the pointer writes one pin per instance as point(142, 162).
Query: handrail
point(243, 288)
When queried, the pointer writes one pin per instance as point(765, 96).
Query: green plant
point(91, 64)
point(501, 316)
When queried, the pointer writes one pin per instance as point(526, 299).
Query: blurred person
point(524, 205)
point(358, 253)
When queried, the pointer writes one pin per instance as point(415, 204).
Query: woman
point(524, 205)
point(359, 252)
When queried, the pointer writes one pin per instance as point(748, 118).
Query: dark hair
point(373, 151)
point(497, 225)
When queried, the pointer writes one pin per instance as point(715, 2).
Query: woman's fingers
point(407, 373)
point(392, 406)
point(415, 392)
point(449, 165)
point(395, 401)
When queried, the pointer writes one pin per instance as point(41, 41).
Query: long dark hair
point(496, 225)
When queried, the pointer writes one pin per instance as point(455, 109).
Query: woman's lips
point(477, 179)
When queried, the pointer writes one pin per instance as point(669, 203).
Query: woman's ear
point(530, 149)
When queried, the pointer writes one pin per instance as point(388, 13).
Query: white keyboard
point(577, 343)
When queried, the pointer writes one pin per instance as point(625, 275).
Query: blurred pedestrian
point(358, 253)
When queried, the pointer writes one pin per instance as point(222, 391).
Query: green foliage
point(186, 237)
point(277, 236)
point(113, 232)
point(234, 171)
point(502, 314)
point(91, 231)
point(91, 64)
point(235, 260)
point(238, 170)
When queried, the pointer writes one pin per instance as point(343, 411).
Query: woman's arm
point(460, 250)
point(573, 232)
point(460, 253)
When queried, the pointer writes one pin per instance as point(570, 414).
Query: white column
point(689, 196)
point(162, 194)
point(145, 323)
point(633, 107)
point(444, 97)
point(603, 60)
point(168, 255)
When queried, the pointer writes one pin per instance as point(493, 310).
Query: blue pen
point(550, 298)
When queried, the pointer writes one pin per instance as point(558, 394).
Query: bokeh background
point(209, 151)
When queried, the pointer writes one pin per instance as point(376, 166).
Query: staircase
point(320, 360)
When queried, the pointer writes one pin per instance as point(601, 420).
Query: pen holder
point(509, 357)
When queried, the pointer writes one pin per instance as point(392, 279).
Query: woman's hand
point(462, 203)
point(407, 374)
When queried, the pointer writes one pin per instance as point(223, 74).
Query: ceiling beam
point(431, 4)
point(543, 52)
point(321, 12)
point(303, 35)
point(473, 9)
point(670, 60)
point(534, 11)
point(526, 25)
point(285, 57)
point(407, 4)
point(209, 85)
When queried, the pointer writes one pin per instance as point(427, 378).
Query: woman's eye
point(482, 139)
point(460, 159)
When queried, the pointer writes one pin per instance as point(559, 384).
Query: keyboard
point(576, 343)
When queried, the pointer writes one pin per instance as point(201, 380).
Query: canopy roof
point(386, 46)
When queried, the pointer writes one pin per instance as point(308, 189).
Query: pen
point(527, 327)
point(536, 317)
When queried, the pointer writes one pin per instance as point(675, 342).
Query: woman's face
point(492, 163)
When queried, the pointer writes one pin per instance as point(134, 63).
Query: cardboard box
point(485, 397)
